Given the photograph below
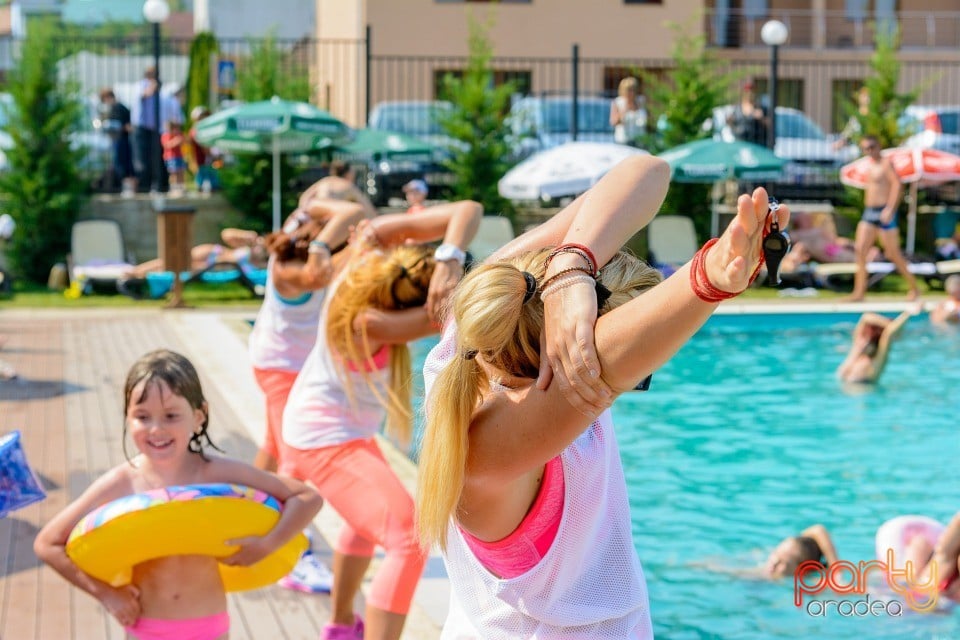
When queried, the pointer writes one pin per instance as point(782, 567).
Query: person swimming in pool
point(813, 543)
point(871, 346)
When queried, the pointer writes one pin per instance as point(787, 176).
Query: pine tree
point(202, 49)
point(42, 189)
point(477, 120)
point(886, 103)
point(686, 98)
point(248, 182)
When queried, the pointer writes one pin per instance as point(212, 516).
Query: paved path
point(68, 404)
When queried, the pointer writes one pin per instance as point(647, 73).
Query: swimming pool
point(746, 437)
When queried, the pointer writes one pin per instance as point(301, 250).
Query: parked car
point(543, 122)
point(419, 119)
point(932, 127)
point(813, 163)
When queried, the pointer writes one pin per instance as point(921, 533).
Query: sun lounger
point(838, 275)
point(493, 233)
point(97, 254)
point(158, 283)
point(672, 241)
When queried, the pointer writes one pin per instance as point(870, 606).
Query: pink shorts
point(205, 628)
point(276, 385)
point(355, 479)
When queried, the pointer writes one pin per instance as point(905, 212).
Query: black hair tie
point(603, 294)
point(531, 286)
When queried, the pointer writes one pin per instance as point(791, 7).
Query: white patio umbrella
point(566, 170)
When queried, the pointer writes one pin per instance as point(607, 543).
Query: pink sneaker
point(333, 631)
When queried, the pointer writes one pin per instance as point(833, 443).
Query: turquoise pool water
point(746, 437)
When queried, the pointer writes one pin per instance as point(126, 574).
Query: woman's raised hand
point(732, 261)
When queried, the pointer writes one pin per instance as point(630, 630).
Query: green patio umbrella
point(382, 145)
point(272, 126)
point(712, 161)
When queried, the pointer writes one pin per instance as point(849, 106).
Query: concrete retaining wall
point(138, 219)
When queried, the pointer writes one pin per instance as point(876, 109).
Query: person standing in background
point(416, 192)
point(879, 220)
point(118, 126)
point(147, 135)
point(627, 113)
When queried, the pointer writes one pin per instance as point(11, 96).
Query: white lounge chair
point(97, 253)
point(836, 275)
point(671, 241)
point(493, 233)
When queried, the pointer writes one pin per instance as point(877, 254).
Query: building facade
point(413, 43)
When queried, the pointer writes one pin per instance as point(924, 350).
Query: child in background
point(416, 193)
point(180, 596)
point(172, 141)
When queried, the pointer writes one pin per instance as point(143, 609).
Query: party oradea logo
point(812, 579)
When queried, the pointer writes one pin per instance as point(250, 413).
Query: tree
point(202, 49)
point(477, 121)
point(886, 103)
point(248, 182)
point(268, 71)
point(681, 102)
point(42, 190)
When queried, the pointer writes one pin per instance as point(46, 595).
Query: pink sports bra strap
point(529, 542)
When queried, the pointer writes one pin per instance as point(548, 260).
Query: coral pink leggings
point(355, 479)
point(276, 385)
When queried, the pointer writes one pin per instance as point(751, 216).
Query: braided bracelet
point(563, 284)
point(700, 282)
point(564, 272)
point(577, 249)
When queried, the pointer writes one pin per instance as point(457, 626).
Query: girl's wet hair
point(181, 377)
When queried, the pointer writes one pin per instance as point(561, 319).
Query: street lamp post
point(156, 12)
point(774, 33)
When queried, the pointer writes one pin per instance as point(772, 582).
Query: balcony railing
point(835, 29)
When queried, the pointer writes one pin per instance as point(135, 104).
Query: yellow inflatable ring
point(184, 520)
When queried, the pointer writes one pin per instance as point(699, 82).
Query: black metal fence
point(350, 79)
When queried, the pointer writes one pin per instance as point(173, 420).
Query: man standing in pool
point(880, 198)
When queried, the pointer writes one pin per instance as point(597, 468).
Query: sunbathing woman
point(871, 346)
point(249, 256)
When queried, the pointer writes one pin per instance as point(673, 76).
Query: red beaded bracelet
point(700, 282)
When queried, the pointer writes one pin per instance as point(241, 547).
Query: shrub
point(248, 182)
point(477, 120)
point(42, 189)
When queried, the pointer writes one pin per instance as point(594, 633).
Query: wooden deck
point(67, 403)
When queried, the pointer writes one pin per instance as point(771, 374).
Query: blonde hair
point(627, 84)
point(398, 279)
point(493, 321)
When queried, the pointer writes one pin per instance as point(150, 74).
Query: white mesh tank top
point(589, 585)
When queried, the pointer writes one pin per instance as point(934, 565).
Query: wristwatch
point(448, 251)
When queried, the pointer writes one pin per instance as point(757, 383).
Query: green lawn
point(890, 289)
point(195, 294)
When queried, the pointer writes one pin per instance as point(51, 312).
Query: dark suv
point(419, 119)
